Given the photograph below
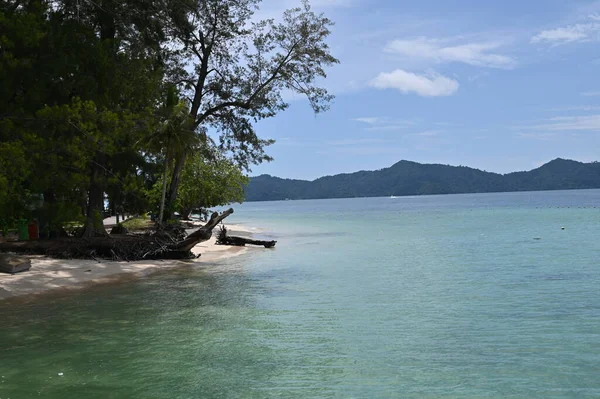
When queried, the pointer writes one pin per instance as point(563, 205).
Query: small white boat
point(393, 196)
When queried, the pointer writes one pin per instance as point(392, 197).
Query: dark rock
point(14, 264)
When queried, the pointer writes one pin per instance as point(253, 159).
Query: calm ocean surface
point(462, 296)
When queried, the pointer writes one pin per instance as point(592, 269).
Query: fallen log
point(224, 239)
point(131, 247)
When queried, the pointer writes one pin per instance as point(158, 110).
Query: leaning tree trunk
point(203, 233)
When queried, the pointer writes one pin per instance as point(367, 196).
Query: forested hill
point(412, 178)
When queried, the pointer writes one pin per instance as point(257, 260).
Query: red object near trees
point(33, 230)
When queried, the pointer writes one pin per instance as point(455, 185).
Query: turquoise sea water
point(463, 296)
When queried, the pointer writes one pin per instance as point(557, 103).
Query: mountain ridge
point(413, 178)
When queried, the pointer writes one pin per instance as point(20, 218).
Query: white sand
point(57, 274)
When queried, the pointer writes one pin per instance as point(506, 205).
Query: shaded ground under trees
point(157, 244)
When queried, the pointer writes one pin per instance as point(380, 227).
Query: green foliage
point(207, 183)
point(138, 88)
point(56, 216)
point(14, 170)
point(241, 68)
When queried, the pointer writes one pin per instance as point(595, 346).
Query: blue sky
point(497, 85)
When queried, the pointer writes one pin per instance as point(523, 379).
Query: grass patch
point(138, 223)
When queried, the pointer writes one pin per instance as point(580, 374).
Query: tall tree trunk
point(180, 162)
point(161, 213)
point(185, 213)
point(94, 224)
point(174, 186)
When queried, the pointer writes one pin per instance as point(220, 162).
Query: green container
point(23, 231)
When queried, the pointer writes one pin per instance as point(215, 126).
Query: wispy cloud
point(370, 120)
point(354, 142)
point(478, 76)
point(591, 93)
point(565, 124)
point(333, 3)
point(362, 150)
point(537, 136)
point(572, 108)
point(388, 128)
point(588, 29)
point(567, 34)
point(429, 85)
point(428, 133)
point(376, 123)
point(435, 50)
point(449, 124)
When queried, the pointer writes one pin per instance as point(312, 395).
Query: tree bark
point(174, 185)
point(185, 213)
point(161, 213)
point(203, 233)
point(224, 239)
point(242, 241)
point(94, 225)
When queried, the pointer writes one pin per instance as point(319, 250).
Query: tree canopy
point(101, 100)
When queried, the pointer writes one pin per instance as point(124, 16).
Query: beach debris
point(224, 239)
point(130, 247)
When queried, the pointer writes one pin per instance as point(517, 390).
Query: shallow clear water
point(464, 296)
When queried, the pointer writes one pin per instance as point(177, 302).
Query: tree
point(207, 183)
point(172, 139)
point(77, 116)
point(241, 69)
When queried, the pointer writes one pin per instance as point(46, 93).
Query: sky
point(502, 86)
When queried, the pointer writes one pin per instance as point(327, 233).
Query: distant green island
point(412, 178)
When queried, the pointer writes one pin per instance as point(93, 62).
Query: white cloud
point(477, 54)
point(568, 34)
point(429, 85)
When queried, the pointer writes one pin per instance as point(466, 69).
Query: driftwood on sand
point(158, 245)
point(224, 239)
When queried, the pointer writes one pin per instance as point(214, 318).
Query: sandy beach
point(47, 275)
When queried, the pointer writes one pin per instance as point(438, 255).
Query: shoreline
point(48, 275)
